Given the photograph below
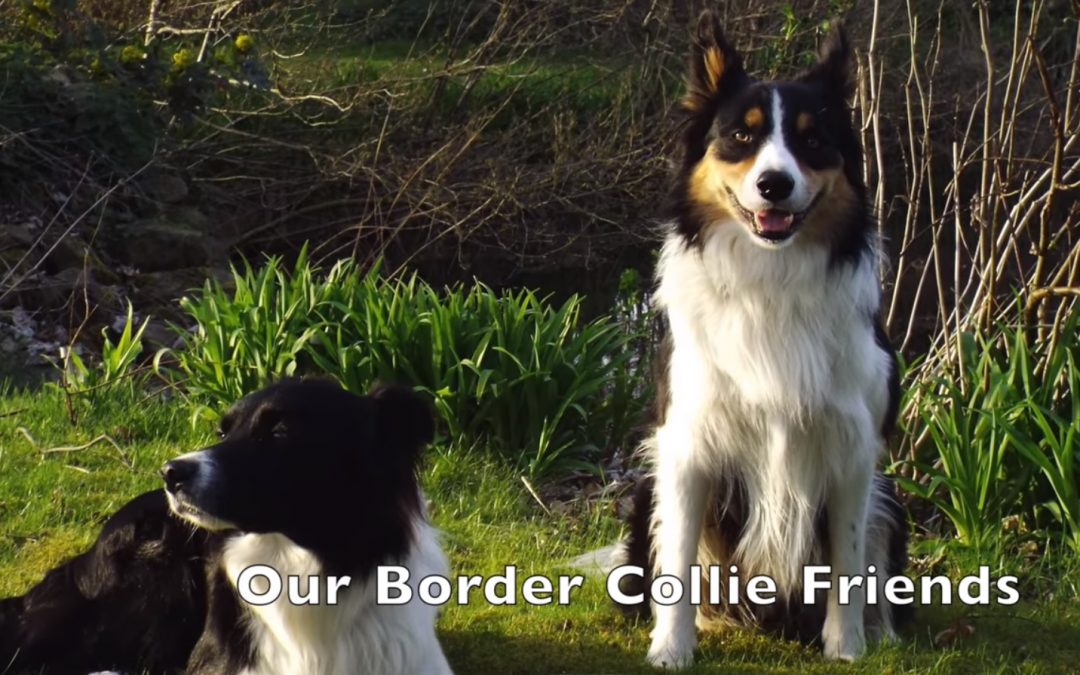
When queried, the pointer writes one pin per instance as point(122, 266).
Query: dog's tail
point(635, 550)
point(893, 522)
point(600, 561)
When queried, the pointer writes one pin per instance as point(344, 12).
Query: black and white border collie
point(778, 385)
point(308, 479)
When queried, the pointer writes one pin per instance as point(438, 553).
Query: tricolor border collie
point(308, 479)
point(778, 385)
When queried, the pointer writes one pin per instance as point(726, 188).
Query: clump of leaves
point(1003, 432)
point(529, 379)
point(117, 362)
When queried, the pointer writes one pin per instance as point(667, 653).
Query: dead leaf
point(960, 630)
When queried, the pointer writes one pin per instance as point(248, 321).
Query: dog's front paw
point(672, 652)
point(843, 643)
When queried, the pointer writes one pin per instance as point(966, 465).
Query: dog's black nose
point(775, 185)
point(178, 472)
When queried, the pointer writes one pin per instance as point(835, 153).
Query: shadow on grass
point(471, 650)
point(1031, 638)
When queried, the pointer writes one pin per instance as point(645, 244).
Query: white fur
point(776, 377)
point(353, 636)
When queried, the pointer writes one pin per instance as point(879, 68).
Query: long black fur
point(151, 596)
point(134, 601)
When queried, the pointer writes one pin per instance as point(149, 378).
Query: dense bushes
point(477, 141)
point(511, 372)
point(994, 439)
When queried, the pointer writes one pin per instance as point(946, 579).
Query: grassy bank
point(55, 494)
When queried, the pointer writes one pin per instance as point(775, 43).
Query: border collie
point(308, 479)
point(778, 385)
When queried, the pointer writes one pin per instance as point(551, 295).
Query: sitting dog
point(777, 385)
point(307, 479)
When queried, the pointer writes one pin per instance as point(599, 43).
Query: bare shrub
point(975, 172)
point(527, 142)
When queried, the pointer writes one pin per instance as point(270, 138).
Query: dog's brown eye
point(279, 430)
point(812, 142)
point(741, 135)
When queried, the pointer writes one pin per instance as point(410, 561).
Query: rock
point(12, 236)
point(166, 288)
point(190, 217)
point(62, 75)
point(158, 293)
point(164, 187)
point(73, 278)
point(100, 271)
point(10, 257)
point(158, 335)
point(67, 253)
point(156, 245)
point(111, 296)
point(42, 292)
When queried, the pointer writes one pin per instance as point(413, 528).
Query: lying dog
point(307, 479)
point(778, 385)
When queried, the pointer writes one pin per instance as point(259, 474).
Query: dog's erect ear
point(714, 64)
point(833, 68)
point(402, 415)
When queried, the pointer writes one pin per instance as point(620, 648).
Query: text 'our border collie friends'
point(261, 585)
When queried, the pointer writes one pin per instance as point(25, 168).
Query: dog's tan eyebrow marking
point(754, 117)
point(804, 122)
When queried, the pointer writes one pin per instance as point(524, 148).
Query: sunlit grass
point(51, 506)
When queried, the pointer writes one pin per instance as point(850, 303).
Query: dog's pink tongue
point(774, 220)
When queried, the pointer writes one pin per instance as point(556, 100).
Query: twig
point(529, 487)
point(76, 448)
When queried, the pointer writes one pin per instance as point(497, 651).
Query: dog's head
point(779, 159)
point(309, 460)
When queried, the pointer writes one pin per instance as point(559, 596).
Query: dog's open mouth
point(195, 515)
point(772, 225)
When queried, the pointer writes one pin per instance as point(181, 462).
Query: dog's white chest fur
point(775, 377)
point(353, 636)
point(790, 335)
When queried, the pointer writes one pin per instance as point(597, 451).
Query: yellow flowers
point(244, 42)
point(183, 58)
point(131, 55)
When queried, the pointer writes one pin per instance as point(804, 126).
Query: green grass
point(51, 506)
point(578, 82)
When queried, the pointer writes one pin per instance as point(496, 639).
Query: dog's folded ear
point(402, 415)
point(833, 66)
point(714, 65)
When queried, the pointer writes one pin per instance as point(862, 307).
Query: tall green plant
point(1002, 430)
point(246, 338)
point(117, 359)
point(532, 381)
